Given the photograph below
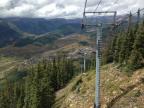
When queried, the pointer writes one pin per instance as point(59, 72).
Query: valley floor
point(117, 90)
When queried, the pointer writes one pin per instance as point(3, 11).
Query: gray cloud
point(62, 8)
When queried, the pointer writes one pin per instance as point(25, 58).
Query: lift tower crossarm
point(84, 23)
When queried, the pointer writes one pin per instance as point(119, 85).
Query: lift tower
point(99, 27)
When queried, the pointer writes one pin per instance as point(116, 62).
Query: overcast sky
point(62, 8)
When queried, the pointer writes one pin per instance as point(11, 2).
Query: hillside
point(45, 45)
point(20, 32)
point(71, 54)
point(40, 26)
point(7, 65)
point(69, 44)
point(8, 35)
point(117, 90)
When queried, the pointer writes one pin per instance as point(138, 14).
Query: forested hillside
point(37, 88)
point(127, 49)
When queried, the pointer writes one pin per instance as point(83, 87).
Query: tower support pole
point(98, 61)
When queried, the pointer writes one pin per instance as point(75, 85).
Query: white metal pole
point(84, 62)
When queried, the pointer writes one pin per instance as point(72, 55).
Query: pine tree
point(117, 48)
point(126, 47)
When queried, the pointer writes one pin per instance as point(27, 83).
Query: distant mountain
point(39, 26)
point(8, 33)
point(37, 31)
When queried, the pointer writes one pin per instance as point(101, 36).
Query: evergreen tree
point(136, 59)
